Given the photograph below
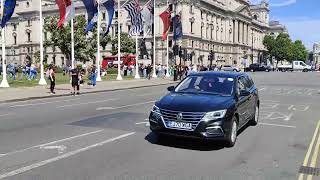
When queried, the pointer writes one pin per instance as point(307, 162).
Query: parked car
point(295, 66)
point(230, 68)
point(207, 105)
point(258, 67)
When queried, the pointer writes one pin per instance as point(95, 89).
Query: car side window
point(249, 82)
point(241, 84)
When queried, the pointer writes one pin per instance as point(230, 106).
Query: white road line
point(2, 155)
point(86, 103)
point(277, 125)
point(2, 115)
point(148, 94)
point(72, 153)
point(262, 89)
point(53, 142)
point(48, 102)
point(120, 107)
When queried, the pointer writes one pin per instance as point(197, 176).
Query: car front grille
point(187, 117)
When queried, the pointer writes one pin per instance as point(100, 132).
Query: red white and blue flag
point(67, 11)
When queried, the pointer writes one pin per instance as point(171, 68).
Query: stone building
point(316, 53)
point(232, 29)
point(275, 28)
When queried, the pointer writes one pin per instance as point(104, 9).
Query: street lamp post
point(98, 45)
point(4, 82)
point(42, 79)
point(119, 77)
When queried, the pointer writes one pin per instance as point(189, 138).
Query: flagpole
point(137, 76)
point(98, 45)
point(72, 44)
point(119, 77)
point(4, 82)
point(42, 79)
point(168, 74)
point(154, 39)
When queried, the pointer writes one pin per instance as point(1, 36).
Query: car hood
point(194, 102)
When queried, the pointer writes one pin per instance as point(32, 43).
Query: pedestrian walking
point(75, 82)
point(94, 76)
point(52, 78)
point(149, 69)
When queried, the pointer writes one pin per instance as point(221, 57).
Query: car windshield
point(213, 85)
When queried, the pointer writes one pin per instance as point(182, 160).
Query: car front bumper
point(216, 130)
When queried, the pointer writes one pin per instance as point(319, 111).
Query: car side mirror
point(170, 89)
point(244, 93)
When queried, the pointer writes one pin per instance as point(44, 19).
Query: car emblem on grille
point(179, 116)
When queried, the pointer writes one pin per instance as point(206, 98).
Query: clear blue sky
point(302, 18)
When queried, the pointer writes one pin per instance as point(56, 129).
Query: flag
point(109, 5)
point(177, 27)
point(166, 19)
point(9, 6)
point(70, 11)
point(62, 10)
point(67, 11)
point(92, 11)
point(134, 11)
point(147, 15)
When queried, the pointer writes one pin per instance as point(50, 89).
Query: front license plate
point(180, 125)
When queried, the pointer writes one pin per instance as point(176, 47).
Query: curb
point(91, 92)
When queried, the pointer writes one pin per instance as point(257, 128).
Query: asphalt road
point(105, 136)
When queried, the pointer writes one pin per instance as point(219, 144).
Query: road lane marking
point(125, 106)
point(61, 149)
point(314, 158)
point(53, 142)
point(2, 155)
point(86, 103)
point(277, 125)
point(306, 159)
point(2, 115)
point(147, 124)
point(69, 154)
point(42, 103)
point(262, 89)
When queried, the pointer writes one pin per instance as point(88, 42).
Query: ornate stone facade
point(316, 53)
point(233, 29)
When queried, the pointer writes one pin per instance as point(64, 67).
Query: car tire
point(232, 136)
point(255, 120)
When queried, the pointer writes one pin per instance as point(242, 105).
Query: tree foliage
point(85, 45)
point(128, 45)
point(282, 48)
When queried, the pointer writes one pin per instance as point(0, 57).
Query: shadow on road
point(184, 143)
point(188, 143)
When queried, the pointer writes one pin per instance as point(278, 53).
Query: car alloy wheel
point(234, 132)
point(232, 136)
point(255, 119)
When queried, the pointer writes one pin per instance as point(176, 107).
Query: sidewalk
point(41, 92)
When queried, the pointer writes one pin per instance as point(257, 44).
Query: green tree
point(37, 57)
point(128, 45)
point(85, 44)
point(282, 48)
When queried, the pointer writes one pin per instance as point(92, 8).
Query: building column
point(236, 31)
point(214, 27)
point(245, 34)
point(219, 29)
point(241, 32)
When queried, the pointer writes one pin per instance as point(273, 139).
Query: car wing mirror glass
point(244, 93)
point(170, 89)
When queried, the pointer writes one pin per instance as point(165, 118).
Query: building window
point(28, 49)
point(191, 26)
point(129, 27)
point(14, 27)
point(54, 59)
point(29, 23)
point(192, 43)
point(116, 14)
point(191, 9)
point(15, 40)
point(29, 36)
point(103, 16)
point(201, 14)
point(28, 4)
point(201, 31)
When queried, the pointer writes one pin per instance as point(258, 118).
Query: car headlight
point(155, 109)
point(214, 115)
